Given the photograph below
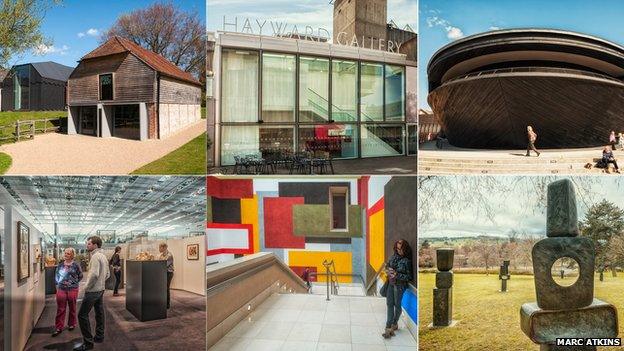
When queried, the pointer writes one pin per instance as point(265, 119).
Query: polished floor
point(184, 328)
point(301, 322)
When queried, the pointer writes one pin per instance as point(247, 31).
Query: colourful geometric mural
point(278, 223)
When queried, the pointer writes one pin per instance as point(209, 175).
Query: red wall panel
point(278, 223)
point(229, 188)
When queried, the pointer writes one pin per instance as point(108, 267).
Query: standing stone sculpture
point(443, 292)
point(504, 275)
point(560, 311)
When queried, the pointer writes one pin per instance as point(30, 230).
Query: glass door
point(88, 120)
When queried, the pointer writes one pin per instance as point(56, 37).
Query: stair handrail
point(374, 280)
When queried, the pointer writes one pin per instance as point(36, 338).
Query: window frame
point(338, 190)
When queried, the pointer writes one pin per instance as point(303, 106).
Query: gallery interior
point(45, 215)
point(266, 235)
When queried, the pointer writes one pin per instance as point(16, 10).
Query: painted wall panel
point(342, 261)
point(314, 221)
point(229, 238)
point(314, 193)
point(229, 188)
point(249, 215)
point(226, 210)
point(278, 223)
point(377, 242)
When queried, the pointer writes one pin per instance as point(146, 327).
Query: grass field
point(190, 158)
point(490, 320)
point(5, 162)
point(8, 119)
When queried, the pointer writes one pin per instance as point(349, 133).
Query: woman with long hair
point(399, 274)
point(68, 277)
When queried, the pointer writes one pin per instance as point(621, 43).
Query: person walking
point(115, 261)
point(612, 140)
point(93, 297)
point(165, 255)
point(306, 278)
point(621, 140)
point(607, 157)
point(399, 274)
point(68, 276)
point(532, 136)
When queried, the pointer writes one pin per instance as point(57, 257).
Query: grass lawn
point(190, 158)
point(490, 320)
point(5, 162)
point(8, 119)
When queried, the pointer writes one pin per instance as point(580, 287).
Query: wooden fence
point(27, 129)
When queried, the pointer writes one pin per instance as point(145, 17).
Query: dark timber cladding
point(34, 86)
point(486, 88)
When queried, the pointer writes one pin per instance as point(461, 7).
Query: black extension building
point(35, 86)
point(486, 89)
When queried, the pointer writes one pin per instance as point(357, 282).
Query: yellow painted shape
point(377, 240)
point(249, 215)
point(342, 260)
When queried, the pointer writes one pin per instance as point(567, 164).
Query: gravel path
point(61, 154)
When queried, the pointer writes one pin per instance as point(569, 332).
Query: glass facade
point(239, 86)
point(344, 90)
point(21, 88)
point(255, 140)
point(339, 141)
point(313, 89)
point(285, 103)
point(278, 87)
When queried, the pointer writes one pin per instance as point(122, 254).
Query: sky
point(74, 27)
point(442, 22)
point(518, 209)
point(313, 13)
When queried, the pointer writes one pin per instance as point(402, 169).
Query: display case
point(146, 289)
point(50, 280)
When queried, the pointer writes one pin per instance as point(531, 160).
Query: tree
point(20, 27)
point(165, 29)
point(602, 222)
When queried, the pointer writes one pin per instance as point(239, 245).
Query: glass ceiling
point(80, 206)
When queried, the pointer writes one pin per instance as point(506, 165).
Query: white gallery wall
point(24, 300)
point(189, 275)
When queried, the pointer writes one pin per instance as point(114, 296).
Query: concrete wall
point(189, 274)
point(400, 215)
point(175, 117)
point(24, 300)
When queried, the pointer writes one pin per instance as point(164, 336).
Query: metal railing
point(332, 277)
point(535, 70)
point(371, 284)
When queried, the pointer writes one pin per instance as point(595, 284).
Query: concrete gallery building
point(37, 86)
point(486, 88)
point(291, 90)
point(122, 90)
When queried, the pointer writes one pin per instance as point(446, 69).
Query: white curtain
point(239, 86)
point(278, 88)
point(238, 141)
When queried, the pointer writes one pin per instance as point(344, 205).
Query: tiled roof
point(117, 45)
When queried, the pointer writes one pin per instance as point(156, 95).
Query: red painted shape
point(278, 223)
point(300, 269)
point(363, 201)
point(223, 250)
point(229, 188)
point(378, 206)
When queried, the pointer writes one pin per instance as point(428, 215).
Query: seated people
point(607, 157)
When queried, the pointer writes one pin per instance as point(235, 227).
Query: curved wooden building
point(486, 88)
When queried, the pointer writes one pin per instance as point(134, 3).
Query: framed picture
point(192, 252)
point(23, 246)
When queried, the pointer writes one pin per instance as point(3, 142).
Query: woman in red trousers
point(68, 277)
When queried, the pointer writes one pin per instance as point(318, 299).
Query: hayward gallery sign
point(284, 29)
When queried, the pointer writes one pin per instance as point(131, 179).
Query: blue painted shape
point(410, 304)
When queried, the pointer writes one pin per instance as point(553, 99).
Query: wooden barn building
point(123, 90)
point(37, 86)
